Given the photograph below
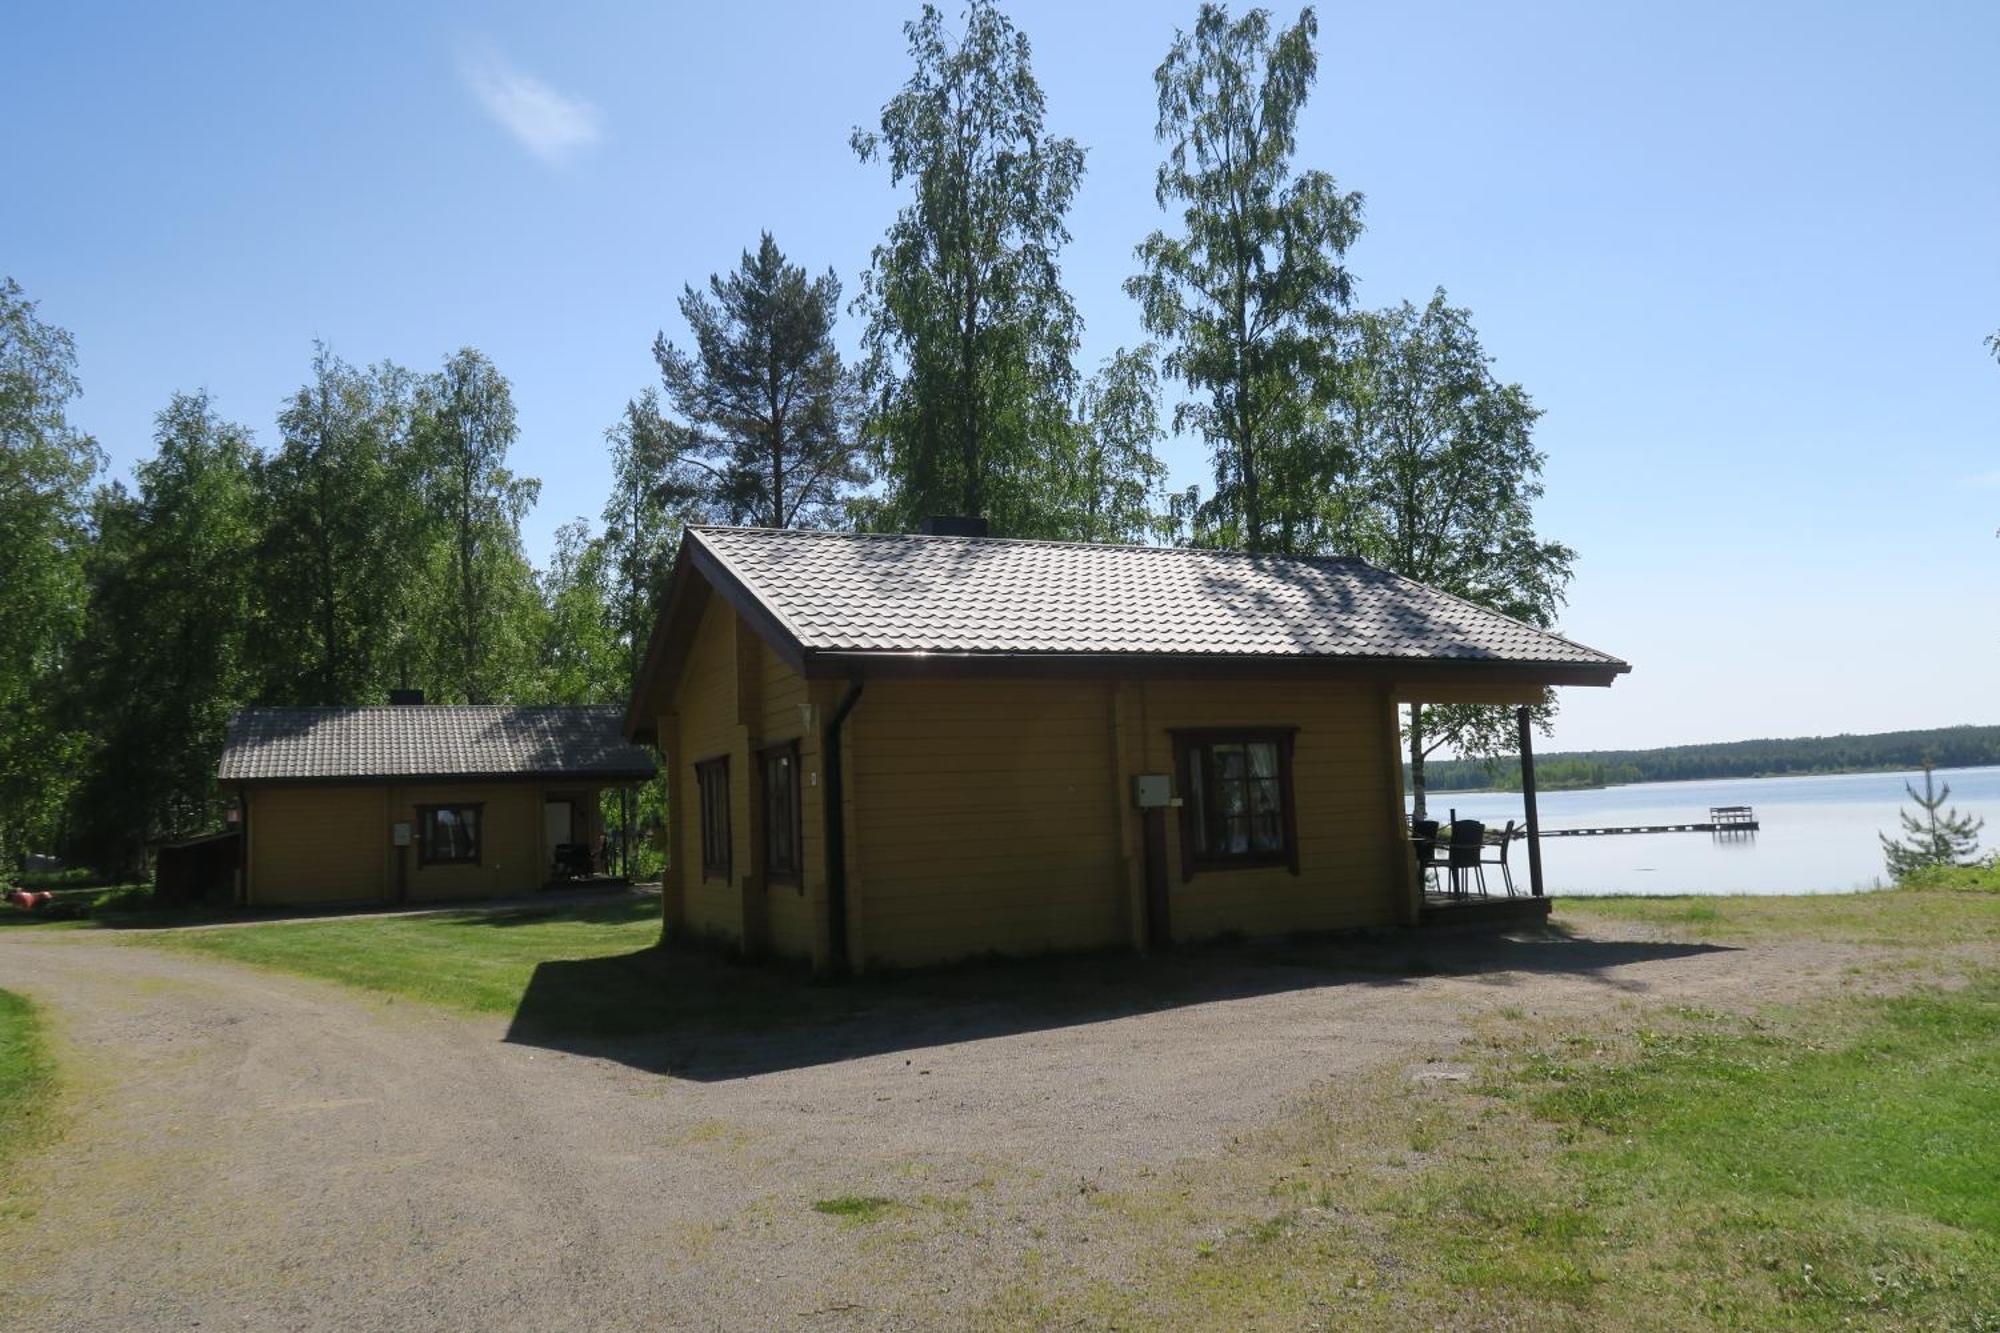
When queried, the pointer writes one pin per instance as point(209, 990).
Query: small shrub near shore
point(1983, 877)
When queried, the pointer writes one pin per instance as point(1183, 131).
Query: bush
point(129, 898)
point(1979, 877)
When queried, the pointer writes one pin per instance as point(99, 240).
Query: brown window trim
point(1185, 740)
point(715, 851)
point(795, 873)
point(424, 813)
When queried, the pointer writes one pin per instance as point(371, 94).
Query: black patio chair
point(573, 859)
point(1506, 874)
point(1467, 837)
point(1424, 838)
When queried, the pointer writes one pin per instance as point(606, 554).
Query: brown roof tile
point(856, 592)
point(430, 741)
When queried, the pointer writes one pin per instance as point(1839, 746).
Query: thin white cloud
point(549, 124)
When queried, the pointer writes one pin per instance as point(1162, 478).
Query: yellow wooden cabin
point(422, 802)
point(889, 750)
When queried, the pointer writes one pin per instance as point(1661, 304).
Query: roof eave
point(849, 662)
point(414, 779)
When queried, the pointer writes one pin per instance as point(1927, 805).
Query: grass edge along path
point(1820, 1166)
point(27, 1084)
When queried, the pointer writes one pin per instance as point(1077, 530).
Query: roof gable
point(430, 741)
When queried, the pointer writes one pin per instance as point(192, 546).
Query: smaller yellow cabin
point(422, 802)
point(889, 750)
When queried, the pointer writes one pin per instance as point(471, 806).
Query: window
point(712, 776)
point(448, 835)
point(1236, 789)
point(784, 856)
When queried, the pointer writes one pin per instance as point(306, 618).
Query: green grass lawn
point(1953, 909)
point(1809, 1167)
point(26, 1083)
point(594, 970)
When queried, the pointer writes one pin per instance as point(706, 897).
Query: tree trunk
point(1417, 761)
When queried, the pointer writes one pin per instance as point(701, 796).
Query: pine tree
point(1937, 835)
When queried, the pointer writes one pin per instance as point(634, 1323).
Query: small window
point(1237, 810)
point(448, 835)
point(784, 857)
point(712, 776)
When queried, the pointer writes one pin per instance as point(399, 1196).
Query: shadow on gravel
point(694, 1014)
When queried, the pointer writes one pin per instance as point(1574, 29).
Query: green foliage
point(345, 546)
point(1949, 747)
point(581, 659)
point(484, 605)
point(970, 334)
point(46, 466)
point(771, 408)
point(655, 492)
point(1116, 479)
point(1935, 837)
point(1444, 482)
point(1250, 298)
point(167, 588)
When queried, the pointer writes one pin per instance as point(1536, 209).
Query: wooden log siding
point(995, 815)
point(706, 704)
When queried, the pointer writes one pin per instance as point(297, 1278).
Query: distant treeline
point(1947, 747)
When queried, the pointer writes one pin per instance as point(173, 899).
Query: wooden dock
point(1721, 819)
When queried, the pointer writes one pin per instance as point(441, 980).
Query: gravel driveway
point(252, 1150)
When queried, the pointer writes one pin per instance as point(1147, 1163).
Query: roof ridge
point(853, 534)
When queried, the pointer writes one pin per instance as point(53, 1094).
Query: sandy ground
point(251, 1150)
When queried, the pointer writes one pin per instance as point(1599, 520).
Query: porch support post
point(1527, 728)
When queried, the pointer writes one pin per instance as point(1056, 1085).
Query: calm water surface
point(1818, 833)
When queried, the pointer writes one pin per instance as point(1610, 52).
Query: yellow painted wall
point(735, 697)
point(706, 704)
point(332, 844)
point(318, 845)
point(995, 815)
point(1341, 787)
point(509, 842)
point(794, 910)
point(985, 818)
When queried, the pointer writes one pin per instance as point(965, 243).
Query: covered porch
point(586, 835)
point(1462, 872)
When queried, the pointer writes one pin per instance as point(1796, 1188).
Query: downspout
point(836, 830)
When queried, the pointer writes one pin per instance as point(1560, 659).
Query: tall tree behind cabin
point(167, 588)
point(485, 603)
point(771, 410)
point(1250, 296)
point(971, 334)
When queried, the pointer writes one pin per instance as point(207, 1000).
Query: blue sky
point(1743, 256)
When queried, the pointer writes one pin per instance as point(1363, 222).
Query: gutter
point(836, 829)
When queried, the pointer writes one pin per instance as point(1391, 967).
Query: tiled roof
point(869, 593)
point(430, 741)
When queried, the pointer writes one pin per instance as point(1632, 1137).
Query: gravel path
point(252, 1150)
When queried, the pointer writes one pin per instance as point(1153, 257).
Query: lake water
point(1817, 835)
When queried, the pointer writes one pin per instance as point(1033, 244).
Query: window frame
point(711, 780)
point(1189, 739)
point(794, 873)
point(426, 813)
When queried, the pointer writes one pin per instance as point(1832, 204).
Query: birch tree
point(1250, 295)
